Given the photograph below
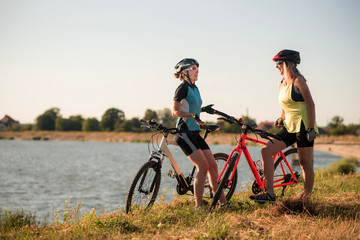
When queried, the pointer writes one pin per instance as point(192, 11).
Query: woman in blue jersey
point(298, 125)
point(187, 106)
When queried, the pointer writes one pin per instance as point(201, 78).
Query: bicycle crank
point(181, 189)
point(255, 188)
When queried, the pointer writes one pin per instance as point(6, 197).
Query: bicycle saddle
point(210, 127)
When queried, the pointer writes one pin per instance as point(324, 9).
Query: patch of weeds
point(15, 220)
point(343, 166)
point(71, 213)
point(120, 223)
point(219, 232)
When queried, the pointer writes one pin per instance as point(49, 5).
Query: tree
point(46, 121)
point(111, 117)
point(73, 123)
point(335, 122)
point(76, 122)
point(353, 129)
point(91, 124)
point(62, 124)
point(132, 125)
point(248, 120)
point(166, 118)
point(150, 114)
point(336, 126)
point(227, 127)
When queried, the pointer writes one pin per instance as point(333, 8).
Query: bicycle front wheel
point(282, 173)
point(144, 188)
point(220, 159)
point(225, 180)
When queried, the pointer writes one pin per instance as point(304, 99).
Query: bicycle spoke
point(144, 188)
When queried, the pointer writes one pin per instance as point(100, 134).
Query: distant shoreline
point(346, 148)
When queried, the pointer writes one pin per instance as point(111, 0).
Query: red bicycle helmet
point(287, 55)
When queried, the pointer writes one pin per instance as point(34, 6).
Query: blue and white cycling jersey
point(189, 97)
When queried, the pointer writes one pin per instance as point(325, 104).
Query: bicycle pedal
point(171, 174)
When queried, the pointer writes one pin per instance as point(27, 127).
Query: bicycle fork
point(234, 154)
point(155, 157)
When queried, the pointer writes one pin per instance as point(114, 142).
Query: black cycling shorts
point(190, 142)
point(299, 138)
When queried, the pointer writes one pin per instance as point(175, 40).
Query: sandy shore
point(342, 148)
point(345, 149)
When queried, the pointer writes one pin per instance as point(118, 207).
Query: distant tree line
point(114, 120)
point(337, 127)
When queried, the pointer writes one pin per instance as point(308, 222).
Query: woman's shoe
point(264, 197)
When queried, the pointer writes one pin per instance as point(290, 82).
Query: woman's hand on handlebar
point(198, 120)
point(208, 109)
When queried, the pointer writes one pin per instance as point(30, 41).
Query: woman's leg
point(199, 160)
point(267, 152)
point(213, 174)
point(306, 158)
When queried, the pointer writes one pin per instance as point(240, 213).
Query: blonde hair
point(292, 71)
point(179, 76)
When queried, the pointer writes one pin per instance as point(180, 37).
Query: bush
point(91, 124)
point(16, 220)
point(74, 123)
point(343, 166)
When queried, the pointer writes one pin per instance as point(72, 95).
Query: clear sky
point(85, 56)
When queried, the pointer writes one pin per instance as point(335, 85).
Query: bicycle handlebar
point(158, 127)
point(244, 127)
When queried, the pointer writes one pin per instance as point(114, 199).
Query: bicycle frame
point(241, 147)
point(162, 152)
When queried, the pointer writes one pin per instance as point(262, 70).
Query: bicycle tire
point(220, 159)
point(281, 170)
point(144, 187)
point(224, 181)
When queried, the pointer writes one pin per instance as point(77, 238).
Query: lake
point(39, 176)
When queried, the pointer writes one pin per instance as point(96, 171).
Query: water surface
point(38, 176)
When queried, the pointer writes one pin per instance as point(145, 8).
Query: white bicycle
point(146, 183)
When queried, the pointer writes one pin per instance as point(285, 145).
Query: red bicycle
point(285, 173)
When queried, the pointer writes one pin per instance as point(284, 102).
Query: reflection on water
point(40, 176)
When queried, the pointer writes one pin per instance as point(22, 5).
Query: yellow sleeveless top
point(295, 111)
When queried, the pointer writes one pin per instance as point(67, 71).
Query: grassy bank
point(334, 214)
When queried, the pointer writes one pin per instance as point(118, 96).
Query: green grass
point(334, 214)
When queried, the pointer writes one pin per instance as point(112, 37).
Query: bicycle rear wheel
point(144, 188)
point(220, 159)
point(282, 173)
point(225, 180)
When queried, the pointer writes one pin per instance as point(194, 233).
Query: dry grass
point(333, 214)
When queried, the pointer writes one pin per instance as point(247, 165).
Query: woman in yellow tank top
point(297, 122)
